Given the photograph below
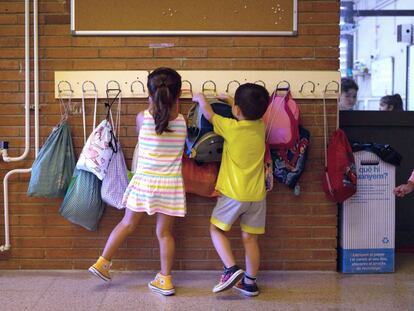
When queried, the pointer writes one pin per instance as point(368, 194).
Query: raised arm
point(204, 106)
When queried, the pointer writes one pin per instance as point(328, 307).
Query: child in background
point(349, 91)
point(241, 183)
point(404, 189)
point(391, 103)
point(157, 185)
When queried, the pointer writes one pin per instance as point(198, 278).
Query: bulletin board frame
point(148, 18)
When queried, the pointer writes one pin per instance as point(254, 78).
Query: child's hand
point(204, 106)
point(199, 98)
point(404, 189)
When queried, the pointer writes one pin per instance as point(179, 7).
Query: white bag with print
point(98, 150)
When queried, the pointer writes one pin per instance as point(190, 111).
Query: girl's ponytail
point(162, 106)
point(164, 86)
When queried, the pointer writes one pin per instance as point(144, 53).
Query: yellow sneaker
point(162, 284)
point(101, 269)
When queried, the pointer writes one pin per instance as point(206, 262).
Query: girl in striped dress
point(157, 186)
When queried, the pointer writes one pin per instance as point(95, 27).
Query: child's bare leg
point(166, 242)
point(251, 246)
point(222, 246)
point(125, 227)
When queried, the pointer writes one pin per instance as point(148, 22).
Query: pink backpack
point(282, 121)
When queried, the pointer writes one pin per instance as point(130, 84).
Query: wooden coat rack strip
point(133, 84)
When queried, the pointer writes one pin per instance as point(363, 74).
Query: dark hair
point(394, 101)
point(164, 86)
point(348, 84)
point(252, 99)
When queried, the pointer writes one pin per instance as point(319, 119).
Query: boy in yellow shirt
point(241, 183)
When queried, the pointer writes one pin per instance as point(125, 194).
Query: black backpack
point(202, 144)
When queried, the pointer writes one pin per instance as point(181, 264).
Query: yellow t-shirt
point(241, 175)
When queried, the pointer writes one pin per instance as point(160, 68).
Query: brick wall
point(301, 230)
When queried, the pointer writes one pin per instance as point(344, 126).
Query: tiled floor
point(79, 290)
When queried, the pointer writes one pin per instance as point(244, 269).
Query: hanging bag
point(288, 140)
point(289, 163)
point(202, 144)
point(97, 152)
point(200, 178)
point(52, 169)
point(340, 181)
point(282, 120)
point(83, 204)
point(116, 179)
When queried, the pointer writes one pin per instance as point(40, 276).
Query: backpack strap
point(94, 93)
point(199, 115)
point(190, 117)
point(325, 133)
point(65, 106)
point(110, 101)
point(325, 121)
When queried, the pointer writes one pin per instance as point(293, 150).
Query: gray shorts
point(252, 215)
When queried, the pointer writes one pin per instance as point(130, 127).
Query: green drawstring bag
point(52, 170)
point(83, 204)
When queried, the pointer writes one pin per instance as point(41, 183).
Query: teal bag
point(53, 167)
point(83, 204)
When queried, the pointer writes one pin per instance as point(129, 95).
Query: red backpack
point(340, 180)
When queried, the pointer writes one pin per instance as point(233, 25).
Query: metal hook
point(188, 90)
point(283, 88)
point(189, 83)
point(303, 85)
point(260, 82)
point(140, 82)
point(61, 90)
point(113, 81)
point(85, 82)
point(228, 84)
point(209, 81)
point(337, 87)
point(110, 101)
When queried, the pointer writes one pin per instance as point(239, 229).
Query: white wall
point(376, 38)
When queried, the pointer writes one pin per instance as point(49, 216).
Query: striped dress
point(157, 186)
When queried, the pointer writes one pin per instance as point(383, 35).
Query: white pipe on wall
point(36, 74)
point(6, 158)
point(7, 245)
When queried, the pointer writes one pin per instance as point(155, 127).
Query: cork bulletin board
point(183, 17)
